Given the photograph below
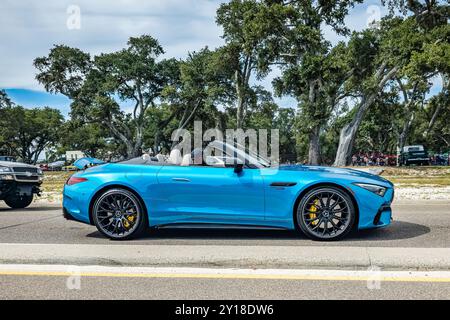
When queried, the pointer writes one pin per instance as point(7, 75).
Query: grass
point(418, 176)
point(54, 181)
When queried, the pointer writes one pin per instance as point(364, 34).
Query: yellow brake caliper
point(127, 221)
point(313, 209)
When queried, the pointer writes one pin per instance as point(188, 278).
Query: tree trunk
point(239, 109)
point(131, 149)
point(403, 137)
point(137, 150)
point(348, 132)
point(433, 120)
point(314, 146)
point(156, 144)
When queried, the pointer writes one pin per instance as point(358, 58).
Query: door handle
point(181, 180)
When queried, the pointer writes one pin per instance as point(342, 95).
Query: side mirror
point(238, 167)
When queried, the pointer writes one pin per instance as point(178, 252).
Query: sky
point(29, 28)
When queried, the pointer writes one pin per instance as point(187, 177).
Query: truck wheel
point(19, 202)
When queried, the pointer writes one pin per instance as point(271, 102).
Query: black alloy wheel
point(326, 214)
point(119, 214)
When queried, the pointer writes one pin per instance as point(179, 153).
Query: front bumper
point(383, 216)
point(374, 211)
point(22, 177)
point(12, 187)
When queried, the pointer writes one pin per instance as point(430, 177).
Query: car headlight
point(379, 190)
point(39, 171)
point(6, 177)
point(5, 169)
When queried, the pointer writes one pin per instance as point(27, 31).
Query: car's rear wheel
point(119, 214)
point(326, 214)
point(19, 202)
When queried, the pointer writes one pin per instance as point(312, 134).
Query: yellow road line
point(228, 276)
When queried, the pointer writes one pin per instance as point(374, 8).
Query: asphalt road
point(46, 287)
point(416, 224)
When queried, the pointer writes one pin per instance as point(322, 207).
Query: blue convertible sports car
point(123, 199)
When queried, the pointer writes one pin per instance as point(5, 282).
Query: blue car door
point(203, 194)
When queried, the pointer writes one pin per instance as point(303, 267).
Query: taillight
point(75, 180)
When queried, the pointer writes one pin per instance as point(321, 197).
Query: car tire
point(326, 214)
point(19, 202)
point(112, 212)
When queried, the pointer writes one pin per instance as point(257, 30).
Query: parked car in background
point(7, 158)
point(69, 168)
point(416, 154)
point(439, 159)
point(56, 166)
point(19, 182)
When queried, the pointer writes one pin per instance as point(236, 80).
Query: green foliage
point(91, 138)
point(26, 133)
point(100, 85)
point(5, 101)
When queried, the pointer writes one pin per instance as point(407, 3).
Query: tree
point(245, 54)
point(4, 100)
point(378, 130)
point(89, 138)
point(428, 13)
point(99, 86)
point(317, 84)
point(28, 132)
point(437, 138)
point(378, 55)
point(401, 41)
point(313, 71)
point(202, 86)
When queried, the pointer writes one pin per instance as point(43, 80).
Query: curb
point(228, 256)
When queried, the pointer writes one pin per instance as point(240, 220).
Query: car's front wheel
point(119, 214)
point(19, 202)
point(326, 214)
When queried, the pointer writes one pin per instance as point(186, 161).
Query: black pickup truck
point(414, 155)
point(19, 182)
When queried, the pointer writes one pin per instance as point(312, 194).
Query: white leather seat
point(187, 160)
point(160, 157)
point(175, 157)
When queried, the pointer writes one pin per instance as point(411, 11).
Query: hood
point(333, 170)
point(10, 164)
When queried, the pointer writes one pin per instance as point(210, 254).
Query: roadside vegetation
point(54, 181)
point(418, 176)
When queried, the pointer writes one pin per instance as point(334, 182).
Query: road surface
point(419, 228)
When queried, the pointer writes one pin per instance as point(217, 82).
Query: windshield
point(414, 149)
point(250, 157)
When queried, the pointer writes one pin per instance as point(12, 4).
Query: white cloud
point(29, 29)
